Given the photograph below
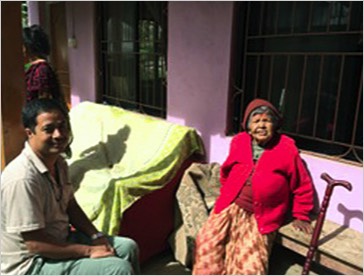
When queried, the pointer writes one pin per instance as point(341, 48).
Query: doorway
point(59, 46)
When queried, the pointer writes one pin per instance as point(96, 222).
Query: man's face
point(261, 128)
point(51, 134)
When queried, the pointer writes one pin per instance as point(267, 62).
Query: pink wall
point(33, 12)
point(199, 37)
point(82, 63)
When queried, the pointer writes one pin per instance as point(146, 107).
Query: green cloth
point(257, 151)
point(26, 66)
point(118, 156)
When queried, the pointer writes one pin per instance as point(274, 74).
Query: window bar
point(349, 149)
point(304, 53)
point(270, 77)
point(330, 10)
point(236, 92)
point(262, 7)
point(341, 17)
point(163, 86)
point(151, 57)
point(137, 45)
point(310, 17)
point(357, 156)
point(358, 102)
point(163, 41)
point(141, 64)
point(293, 16)
point(301, 92)
point(143, 91)
point(164, 80)
point(333, 157)
point(288, 61)
point(242, 97)
point(133, 102)
point(338, 94)
point(148, 82)
point(319, 139)
point(148, 61)
point(156, 63)
point(303, 34)
point(322, 61)
point(107, 71)
point(258, 60)
point(276, 17)
point(258, 57)
point(349, 16)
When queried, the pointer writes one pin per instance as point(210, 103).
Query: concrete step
point(282, 262)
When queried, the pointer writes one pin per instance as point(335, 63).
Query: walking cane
point(331, 183)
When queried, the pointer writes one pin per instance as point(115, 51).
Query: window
point(306, 58)
point(133, 49)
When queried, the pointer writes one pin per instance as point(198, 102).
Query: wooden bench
point(339, 248)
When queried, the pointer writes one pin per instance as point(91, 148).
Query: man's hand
point(301, 225)
point(104, 242)
point(101, 251)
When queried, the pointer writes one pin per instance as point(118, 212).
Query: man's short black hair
point(35, 107)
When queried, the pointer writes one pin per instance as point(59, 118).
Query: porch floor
point(283, 262)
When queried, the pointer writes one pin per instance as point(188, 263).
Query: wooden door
point(59, 46)
point(12, 82)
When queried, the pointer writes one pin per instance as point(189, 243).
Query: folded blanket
point(118, 156)
point(196, 196)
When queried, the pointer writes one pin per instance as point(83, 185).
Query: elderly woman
point(262, 181)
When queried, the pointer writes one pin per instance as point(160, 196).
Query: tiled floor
point(283, 262)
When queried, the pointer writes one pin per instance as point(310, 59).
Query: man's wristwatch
point(97, 236)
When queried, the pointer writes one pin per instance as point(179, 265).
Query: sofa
point(126, 167)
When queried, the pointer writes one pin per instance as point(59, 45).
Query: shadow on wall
point(349, 214)
point(100, 156)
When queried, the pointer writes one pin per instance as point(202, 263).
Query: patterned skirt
point(229, 243)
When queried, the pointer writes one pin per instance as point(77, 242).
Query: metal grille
point(306, 58)
point(133, 50)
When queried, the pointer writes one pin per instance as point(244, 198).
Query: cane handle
point(333, 182)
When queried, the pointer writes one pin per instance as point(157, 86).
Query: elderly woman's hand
point(301, 225)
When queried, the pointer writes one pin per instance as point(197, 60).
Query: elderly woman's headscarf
point(256, 103)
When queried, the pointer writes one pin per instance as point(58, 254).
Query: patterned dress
point(229, 243)
point(42, 82)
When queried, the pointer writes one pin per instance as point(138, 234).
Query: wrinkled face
point(51, 134)
point(261, 128)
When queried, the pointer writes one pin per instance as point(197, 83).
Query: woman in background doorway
point(41, 80)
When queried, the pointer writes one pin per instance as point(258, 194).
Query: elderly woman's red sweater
point(280, 181)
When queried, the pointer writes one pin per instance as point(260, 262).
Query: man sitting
point(38, 206)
